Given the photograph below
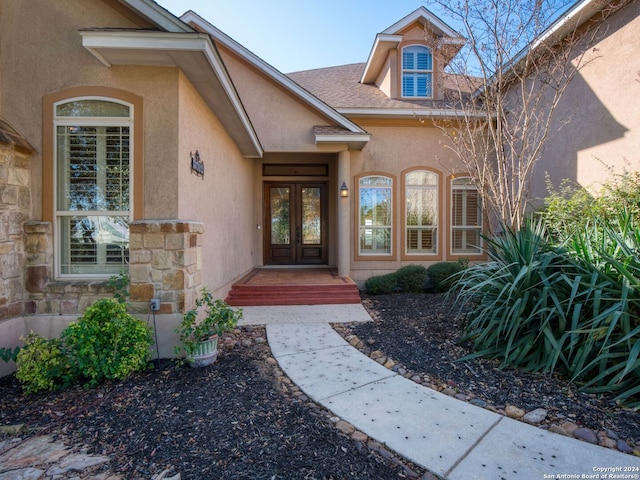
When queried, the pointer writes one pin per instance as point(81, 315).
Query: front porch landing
point(293, 286)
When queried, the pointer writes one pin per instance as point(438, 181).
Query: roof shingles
point(340, 88)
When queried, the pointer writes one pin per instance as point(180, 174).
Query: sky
point(295, 35)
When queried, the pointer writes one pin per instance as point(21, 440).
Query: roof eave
point(157, 15)
point(354, 142)
point(425, 15)
point(379, 52)
point(403, 113)
point(196, 56)
point(271, 72)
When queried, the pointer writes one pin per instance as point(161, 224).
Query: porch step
point(254, 295)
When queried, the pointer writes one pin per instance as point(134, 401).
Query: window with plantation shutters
point(417, 72)
point(93, 186)
point(375, 216)
point(421, 213)
point(466, 217)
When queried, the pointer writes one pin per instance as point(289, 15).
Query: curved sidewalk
point(450, 438)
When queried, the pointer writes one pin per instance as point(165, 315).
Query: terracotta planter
point(205, 354)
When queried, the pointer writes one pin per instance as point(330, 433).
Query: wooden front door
point(295, 223)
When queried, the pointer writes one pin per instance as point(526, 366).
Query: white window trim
point(389, 227)
point(57, 214)
point(426, 72)
point(478, 228)
point(436, 227)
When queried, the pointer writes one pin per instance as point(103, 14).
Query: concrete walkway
point(450, 438)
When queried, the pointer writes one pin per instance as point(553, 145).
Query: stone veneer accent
point(15, 207)
point(165, 262)
point(45, 296)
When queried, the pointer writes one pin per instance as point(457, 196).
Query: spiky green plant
point(543, 307)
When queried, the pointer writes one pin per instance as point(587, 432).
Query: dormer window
point(417, 72)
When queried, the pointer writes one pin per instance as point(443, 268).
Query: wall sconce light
point(344, 190)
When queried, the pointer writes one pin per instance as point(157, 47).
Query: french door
point(295, 223)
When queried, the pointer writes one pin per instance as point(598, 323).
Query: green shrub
point(411, 278)
point(42, 365)
point(442, 274)
point(107, 343)
point(576, 310)
point(382, 284)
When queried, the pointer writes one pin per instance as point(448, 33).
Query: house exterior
point(595, 127)
point(139, 141)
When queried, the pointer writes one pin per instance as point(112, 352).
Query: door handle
point(298, 234)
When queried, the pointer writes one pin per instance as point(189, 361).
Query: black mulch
point(238, 420)
point(422, 333)
point(232, 420)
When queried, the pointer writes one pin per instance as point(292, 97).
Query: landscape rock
point(23, 474)
point(569, 427)
point(35, 451)
point(536, 416)
point(514, 412)
point(558, 429)
point(623, 446)
point(345, 427)
point(359, 436)
point(586, 434)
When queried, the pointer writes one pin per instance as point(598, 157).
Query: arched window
point(421, 213)
point(417, 72)
point(466, 217)
point(375, 215)
point(93, 165)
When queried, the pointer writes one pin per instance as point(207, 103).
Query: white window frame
point(421, 228)
point(362, 229)
point(416, 73)
point(59, 214)
point(466, 187)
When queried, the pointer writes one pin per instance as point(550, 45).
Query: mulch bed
point(237, 419)
point(242, 419)
point(422, 334)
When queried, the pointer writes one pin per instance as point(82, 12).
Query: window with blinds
point(421, 213)
point(417, 72)
point(466, 218)
point(375, 216)
point(93, 186)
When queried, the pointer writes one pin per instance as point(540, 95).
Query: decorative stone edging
point(606, 438)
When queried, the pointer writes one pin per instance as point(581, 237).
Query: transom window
point(375, 205)
point(466, 217)
point(417, 72)
point(93, 186)
point(421, 213)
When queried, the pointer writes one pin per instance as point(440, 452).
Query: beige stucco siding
point(222, 199)
point(392, 150)
point(596, 124)
point(51, 58)
point(283, 123)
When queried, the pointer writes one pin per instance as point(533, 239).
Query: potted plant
point(199, 333)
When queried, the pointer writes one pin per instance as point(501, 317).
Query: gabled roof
point(176, 44)
point(278, 77)
point(340, 88)
point(450, 41)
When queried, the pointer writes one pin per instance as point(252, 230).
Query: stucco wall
point(596, 123)
point(394, 148)
point(51, 58)
point(282, 122)
point(222, 199)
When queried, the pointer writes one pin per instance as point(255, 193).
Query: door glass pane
point(280, 215)
point(311, 231)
